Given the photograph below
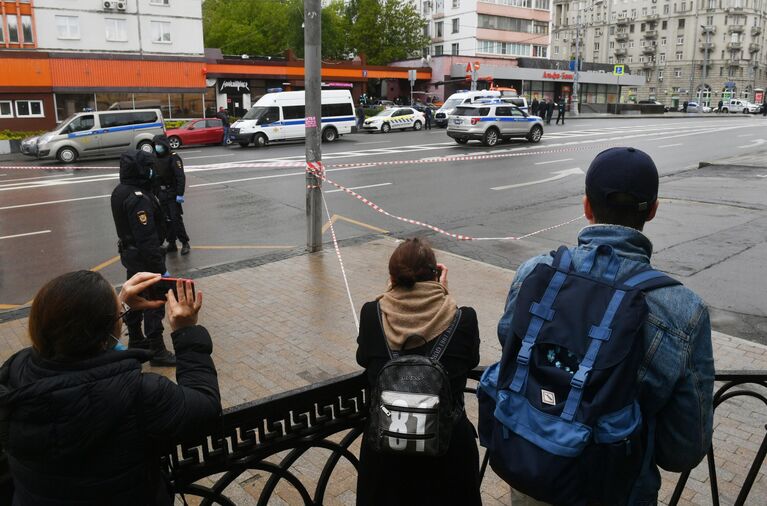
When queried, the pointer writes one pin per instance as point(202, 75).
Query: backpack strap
point(392, 354)
point(650, 279)
point(541, 312)
point(444, 339)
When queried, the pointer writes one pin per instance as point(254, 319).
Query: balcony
point(735, 29)
point(653, 17)
point(651, 34)
point(623, 21)
point(733, 9)
point(649, 49)
point(756, 31)
point(754, 47)
point(734, 63)
point(620, 52)
point(709, 29)
point(707, 46)
point(648, 64)
point(621, 37)
point(734, 46)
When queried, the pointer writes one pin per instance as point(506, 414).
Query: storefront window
point(210, 102)
point(152, 101)
point(114, 101)
point(185, 105)
point(68, 104)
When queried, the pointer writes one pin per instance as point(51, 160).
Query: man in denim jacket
point(676, 377)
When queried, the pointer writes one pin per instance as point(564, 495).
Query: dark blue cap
point(623, 170)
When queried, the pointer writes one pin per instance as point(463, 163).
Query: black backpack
point(412, 409)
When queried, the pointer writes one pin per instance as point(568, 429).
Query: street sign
point(411, 75)
point(619, 70)
point(468, 67)
point(476, 65)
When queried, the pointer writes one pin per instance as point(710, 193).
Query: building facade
point(491, 28)
point(707, 50)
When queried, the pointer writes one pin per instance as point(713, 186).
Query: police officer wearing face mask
point(140, 225)
point(169, 186)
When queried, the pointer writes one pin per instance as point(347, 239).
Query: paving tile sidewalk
point(289, 323)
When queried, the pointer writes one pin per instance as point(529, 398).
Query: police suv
point(401, 118)
point(492, 122)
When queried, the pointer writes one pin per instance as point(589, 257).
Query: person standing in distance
point(534, 106)
point(140, 225)
point(549, 110)
point(168, 186)
point(427, 117)
point(561, 110)
point(221, 114)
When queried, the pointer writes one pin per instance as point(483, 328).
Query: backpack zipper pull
point(386, 411)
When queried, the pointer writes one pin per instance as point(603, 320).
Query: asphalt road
point(709, 231)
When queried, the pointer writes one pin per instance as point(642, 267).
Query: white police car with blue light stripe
point(492, 123)
point(392, 119)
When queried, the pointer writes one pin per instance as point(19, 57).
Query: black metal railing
point(270, 435)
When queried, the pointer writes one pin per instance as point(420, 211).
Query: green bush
point(9, 135)
point(173, 124)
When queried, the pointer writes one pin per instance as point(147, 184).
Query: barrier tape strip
point(459, 237)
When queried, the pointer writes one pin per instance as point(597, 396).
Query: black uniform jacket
point(90, 433)
point(170, 170)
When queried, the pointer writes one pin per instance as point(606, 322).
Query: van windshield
point(263, 115)
point(65, 122)
point(452, 103)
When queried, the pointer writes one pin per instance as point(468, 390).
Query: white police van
point(281, 117)
point(442, 115)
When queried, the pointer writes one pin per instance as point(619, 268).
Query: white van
point(281, 117)
point(103, 133)
point(460, 98)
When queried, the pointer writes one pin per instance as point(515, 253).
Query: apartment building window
point(160, 32)
point(677, 72)
point(680, 40)
point(633, 13)
point(721, 71)
point(159, 2)
point(505, 48)
point(631, 28)
point(631, 59)
point(680, 24)
point(26, 30)
point(679, 55)
point(539, 51)
point(454, 49)
point(684, 6)
point(649, 77)
point(660, 75)
point(664, 25)
point(438, 50)
point(631, 44)
point(675, 90)
point(68, 27)
point(542, 4)
point(612, 44)
point(2, 32)
point(6, 109)
point(644, 11)
point(116, 30)
point(596, 46)
point(665, 9)
point(13, 29)
point(712, 4)
point(456, 26)
point(456, 4)
point(662, 57)
point(663, 41)
point(439, 28)
point(710, 20)
point(29, 109)
point(595, 57)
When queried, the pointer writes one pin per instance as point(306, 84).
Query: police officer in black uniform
point(169, 186)
point(140, 225)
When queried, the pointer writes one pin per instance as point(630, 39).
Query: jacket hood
point(162, 140)
point(136, 167)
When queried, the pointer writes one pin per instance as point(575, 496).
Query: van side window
point(503, 111)
point(272, 115)
point(294, 112)
point(81, 124)
point(517, 112)
point(329, 110)
point(109, 120)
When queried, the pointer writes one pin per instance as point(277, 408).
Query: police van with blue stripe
point(281, 116)
point(491, 122)
point(98, 133)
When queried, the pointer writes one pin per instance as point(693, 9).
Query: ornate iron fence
point(271, 434)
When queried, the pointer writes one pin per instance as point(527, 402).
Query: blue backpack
point(559, 414)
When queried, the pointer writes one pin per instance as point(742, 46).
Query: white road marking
point(185, 151)
point(374, 142)
point(360, 187)
point(25, 235)
point(757, 142)
point(1, 175)
point(762, 176)
point(35, 204)
point(33, 178)
point(560, 174)
point(208, 156)
point(670, 145)
point(747, 135)
point(554, 161)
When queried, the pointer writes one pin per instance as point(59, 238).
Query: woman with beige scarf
point(418, 302)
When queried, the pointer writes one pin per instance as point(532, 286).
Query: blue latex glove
point(180, 199)
point(166, 275)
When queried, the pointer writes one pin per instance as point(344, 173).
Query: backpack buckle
point(580, 377)
point(523, 358)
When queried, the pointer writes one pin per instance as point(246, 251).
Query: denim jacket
point(676, 377)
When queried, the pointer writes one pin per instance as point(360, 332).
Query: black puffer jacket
point(90, 433)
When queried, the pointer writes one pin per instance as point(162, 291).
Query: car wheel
point(725, 110)
point(745, 111)
point(329, 134)
point(260, 140)
point(417, 126)
point(491, 137)
point(146, 146)
point(535, 134)
point(386, 128)
point(244, 144)
point(174, 142)
point(461, 140)
point(67, 155)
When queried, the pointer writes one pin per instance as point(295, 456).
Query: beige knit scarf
point(426, 309)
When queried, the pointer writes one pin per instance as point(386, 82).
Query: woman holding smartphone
point(418, 302)
point(79, 420)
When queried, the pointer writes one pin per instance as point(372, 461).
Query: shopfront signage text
point(235, 84)
point(559, 76)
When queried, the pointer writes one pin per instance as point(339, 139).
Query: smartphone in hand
point(159, 290)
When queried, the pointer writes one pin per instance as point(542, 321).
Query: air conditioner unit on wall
point(107, 4)
point(121, 6)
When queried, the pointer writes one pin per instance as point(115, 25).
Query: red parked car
point(197, 131)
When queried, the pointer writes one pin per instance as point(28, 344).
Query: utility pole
point(692, 72)
point(705, 64)
point(313, 101)
point(574, 101)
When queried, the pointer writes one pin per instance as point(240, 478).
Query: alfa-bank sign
point(558, 76)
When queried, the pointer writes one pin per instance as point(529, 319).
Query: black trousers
point(428, 123)
point(151, 318)
point(174, 218)
point(561, 115)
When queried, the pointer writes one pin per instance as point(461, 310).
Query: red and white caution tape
point(340, 262)
point(411, 221)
